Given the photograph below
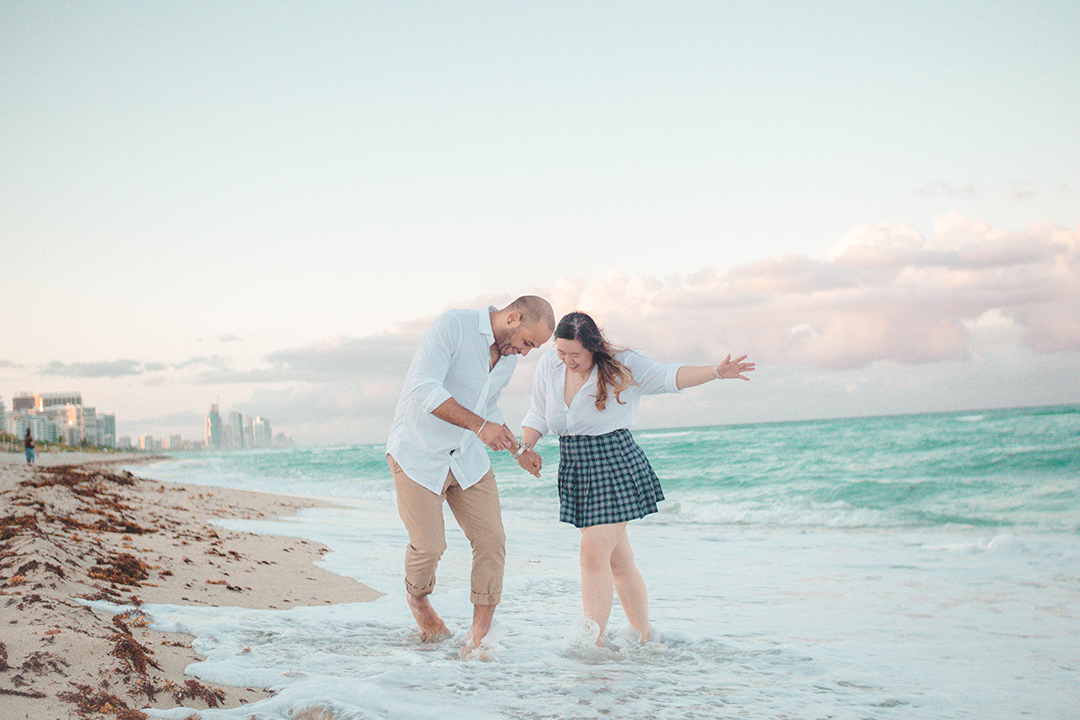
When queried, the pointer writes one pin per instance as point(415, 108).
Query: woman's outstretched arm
point(694, 375)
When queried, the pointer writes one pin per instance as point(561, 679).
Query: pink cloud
point(886, 293)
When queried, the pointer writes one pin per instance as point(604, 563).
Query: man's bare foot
point(481, 624)
point(482, 640)
point(432, 627)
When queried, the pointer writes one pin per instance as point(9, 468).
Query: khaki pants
point(477, 512)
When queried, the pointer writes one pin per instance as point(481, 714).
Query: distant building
point(48, 400)
point(173, 443)
point(146, 442)
point(40, 427)
point(91, 426)
point(238, 432)
point(124, 442)
point(236, 427)
point(60, 417)
point(70, 420)
point(108, 429)
point(214, 435)
point(261, 434)
point(64, 419)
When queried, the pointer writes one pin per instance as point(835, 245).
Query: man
point(448, 411)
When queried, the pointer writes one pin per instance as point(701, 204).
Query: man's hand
point(497, 437)
point(531, 462)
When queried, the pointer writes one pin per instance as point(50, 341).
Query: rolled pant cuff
point(486, 598)
point(416, 592)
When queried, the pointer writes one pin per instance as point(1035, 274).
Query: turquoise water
point(1017, 468)
point(923, 566)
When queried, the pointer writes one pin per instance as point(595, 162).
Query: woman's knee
point(622, 559)
point(595, 557)
point(622, 566)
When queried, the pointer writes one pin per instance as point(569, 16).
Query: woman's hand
point(531, 462)
point(729, 369)
point(690, 376)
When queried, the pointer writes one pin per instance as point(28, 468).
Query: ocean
point(917, 566)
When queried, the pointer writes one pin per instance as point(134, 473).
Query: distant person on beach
point(28, 444)
point(587, 391)
point(448, 411)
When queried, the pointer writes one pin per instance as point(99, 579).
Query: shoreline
point(77, 526)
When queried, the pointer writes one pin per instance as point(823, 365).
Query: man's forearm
point(492, 434)
point(455, 413)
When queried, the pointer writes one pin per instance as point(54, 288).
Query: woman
point(587, 392)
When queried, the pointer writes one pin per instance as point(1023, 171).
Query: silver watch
point(522, 448)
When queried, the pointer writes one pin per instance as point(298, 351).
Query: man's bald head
point(533, 309)
point(523, 325)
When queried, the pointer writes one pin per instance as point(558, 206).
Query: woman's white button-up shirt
point(549, 412)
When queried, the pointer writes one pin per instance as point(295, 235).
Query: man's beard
point(503, 342)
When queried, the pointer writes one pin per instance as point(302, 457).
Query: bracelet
point(716, 371)
point(522, 448)
point(481, 429)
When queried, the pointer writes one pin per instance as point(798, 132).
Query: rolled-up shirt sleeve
point(652, 378)
point(432, 361)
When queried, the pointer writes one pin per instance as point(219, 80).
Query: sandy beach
point(77, 526)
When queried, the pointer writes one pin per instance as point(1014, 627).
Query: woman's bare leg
point(630, 586)
point(597, 586)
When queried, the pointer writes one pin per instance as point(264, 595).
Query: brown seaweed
point(135, 655)
point(46, 544)
point(123, 569)
point(36, 694)
point(88, 701)
point(194, 690)
point(44, 663)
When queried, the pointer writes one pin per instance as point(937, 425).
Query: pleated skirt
point(605, 479)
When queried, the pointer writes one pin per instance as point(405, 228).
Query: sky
point(262, 205)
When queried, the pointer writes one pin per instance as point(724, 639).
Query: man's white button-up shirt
point(451, 362)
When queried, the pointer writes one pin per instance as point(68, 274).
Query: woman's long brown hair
point(610, 373)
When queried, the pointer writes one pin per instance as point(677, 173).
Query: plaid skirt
point(605, 479)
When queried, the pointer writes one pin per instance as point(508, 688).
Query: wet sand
point(77, 526)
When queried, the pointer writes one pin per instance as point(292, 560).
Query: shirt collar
point(484, 322)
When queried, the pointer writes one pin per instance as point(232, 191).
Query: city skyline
point(879, 204)
point(61, 417)
point(58, 417)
